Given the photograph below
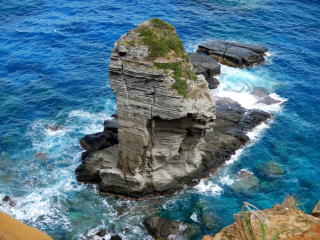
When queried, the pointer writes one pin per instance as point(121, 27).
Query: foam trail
point(240, 84)
point(54, 180)
point(207, 187)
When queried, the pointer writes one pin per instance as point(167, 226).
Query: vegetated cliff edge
point(168, 131)
point(283, 221)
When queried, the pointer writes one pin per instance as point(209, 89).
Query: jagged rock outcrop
point(234, 54)
point(207, 66)
point(165, 128)
point(101, 140)
point(165, 229)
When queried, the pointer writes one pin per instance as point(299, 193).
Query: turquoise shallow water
point(53, 70)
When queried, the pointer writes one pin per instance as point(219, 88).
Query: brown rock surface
point(283, 220)
point(316, 210)
point(12, 229)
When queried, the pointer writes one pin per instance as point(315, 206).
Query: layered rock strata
point(234, 54)
point(166, 133)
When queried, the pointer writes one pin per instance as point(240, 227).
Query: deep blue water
point(53, 71)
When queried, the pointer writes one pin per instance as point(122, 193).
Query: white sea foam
point(194, 217)
point(226, 180)
point(59, 146)
point(238, 85)
point(207, 187)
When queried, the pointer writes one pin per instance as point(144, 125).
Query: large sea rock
point(169, 131)
point(234, 54)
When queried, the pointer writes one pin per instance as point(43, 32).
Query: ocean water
point(54, 72)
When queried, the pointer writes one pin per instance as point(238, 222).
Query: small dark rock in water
point(209, 219)
point(53, 127)
point(102, 232)
point(165, 229)
point(115, 237)
point(41, 156)
point(234, 54)
point(98, 141)
point(207, 66)
point(213, 83)
point(243, 173)
point(121, 210)
point(6, 199)
point(264, 96)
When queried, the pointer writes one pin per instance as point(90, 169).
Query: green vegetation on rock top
point(180, 74)
point(161, 39)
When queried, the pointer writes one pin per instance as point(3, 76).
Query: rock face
point(166, 133)
point(283, 221)
point(234, 54)
point(164, 229)
point(107, 138)
point(207, 66)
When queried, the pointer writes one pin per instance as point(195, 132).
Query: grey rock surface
point(207, 66)
point(165, 229)
point(234, 54)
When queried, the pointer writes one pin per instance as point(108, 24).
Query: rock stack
point(166, 133)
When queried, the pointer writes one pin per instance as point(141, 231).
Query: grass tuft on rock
point(163, 42)
point(180, 74)
point(161, 38)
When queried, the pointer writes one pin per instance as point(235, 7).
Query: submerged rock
point(115, 237)
point(207, 66)
point(165, 229)
point(41, 156)
point(234, 54)
point(8, 200)
point(264, 96)
point(244, 173)
point(169, 130)
point(273, 169)
point(102, 233)
point(246, 184)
